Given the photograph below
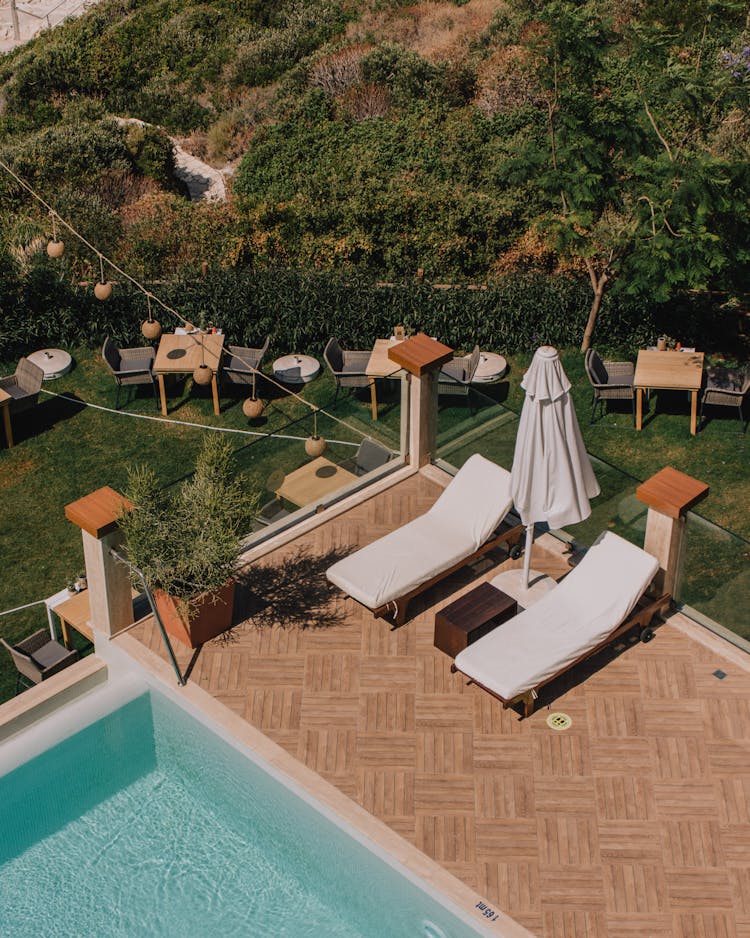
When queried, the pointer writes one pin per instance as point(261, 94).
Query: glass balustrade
point(715, 585)
point(302, 459)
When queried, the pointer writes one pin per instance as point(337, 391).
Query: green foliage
point(186, 541)
point(389, 196)
point(410, 78)
point(263, 55)
point(10, 287)
point(152, 153)
point(302, 310)
point(619, 131)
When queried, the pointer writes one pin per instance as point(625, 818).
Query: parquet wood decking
point(634, 822)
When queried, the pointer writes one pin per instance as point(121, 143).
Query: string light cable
point(165, 306)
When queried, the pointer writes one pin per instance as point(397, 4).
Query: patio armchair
point(727, 388)
point(456, 376)
point(464, 523)
point(369, 456)
point(610, 381)
point(240, 363)
point(603, 597)
point(269, 513)
point(129, 366)
point(347, 367)
point(38, 657)
point(23, 386)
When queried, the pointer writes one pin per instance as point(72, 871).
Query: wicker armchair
point(270, 513)
point(610, 381)
point(456, 376)
point(129, 366)
point(347, 367)
point(38, 657)
point(370, 455)
point(23, 386)
point(727, 388)
point(240, 363)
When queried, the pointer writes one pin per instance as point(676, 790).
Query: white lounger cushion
point(573, 618)
point(461, 520)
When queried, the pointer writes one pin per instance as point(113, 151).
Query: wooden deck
point(633, 822)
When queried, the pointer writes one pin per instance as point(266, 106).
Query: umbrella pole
point(527, 555)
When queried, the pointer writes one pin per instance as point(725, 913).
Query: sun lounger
point(600, 599)
point(464, 523)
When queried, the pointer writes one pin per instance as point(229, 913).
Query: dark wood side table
point(471, 617)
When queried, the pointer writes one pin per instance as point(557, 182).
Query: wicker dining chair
point(240, 363)
point(38, 657)
point(23, 385)
point(610, 381)
point(273, 511)
point(370, 455)
point(129, 366)
point(456, 376)
point(728, 388)
point(347, 367)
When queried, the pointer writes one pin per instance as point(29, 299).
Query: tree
point(643, 195)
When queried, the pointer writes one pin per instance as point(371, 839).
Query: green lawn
point(716, 577)
point(65, 450)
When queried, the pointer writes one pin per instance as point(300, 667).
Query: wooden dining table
point(313, 481)
point(182, 354)
point(380, 366)
point(671, 371)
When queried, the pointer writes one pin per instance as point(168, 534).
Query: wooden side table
point(74, 613)
point(472, 616)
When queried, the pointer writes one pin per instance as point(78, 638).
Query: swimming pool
point(147, 823)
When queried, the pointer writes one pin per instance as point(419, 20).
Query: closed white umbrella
point(551, 479)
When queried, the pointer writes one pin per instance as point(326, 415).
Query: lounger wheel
point(515, 552)
point(647, 634)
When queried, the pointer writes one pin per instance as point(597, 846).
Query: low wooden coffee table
point(313, 481)
point(472, 616)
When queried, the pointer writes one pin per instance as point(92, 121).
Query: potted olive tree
point(185, 542)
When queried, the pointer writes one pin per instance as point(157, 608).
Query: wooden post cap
point(420, 354)
point(671, 492)
point(98, 512)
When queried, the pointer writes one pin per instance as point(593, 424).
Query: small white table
point(490, 369)
point(54, 362)
point(296, 369)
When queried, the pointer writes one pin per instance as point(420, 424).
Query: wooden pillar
point(669, 494)
point(110, 598)
point(421, 357)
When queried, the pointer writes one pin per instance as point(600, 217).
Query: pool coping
point(488, 919)
point(45, 698)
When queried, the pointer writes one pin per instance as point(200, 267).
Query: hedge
point(302, 309)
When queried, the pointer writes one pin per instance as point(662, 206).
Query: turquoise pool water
point(147, 823)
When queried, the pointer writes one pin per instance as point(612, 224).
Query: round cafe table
point(490, 369)
point(54, 362)
point(296, 369)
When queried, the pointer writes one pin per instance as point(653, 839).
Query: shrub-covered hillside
point(463, 138)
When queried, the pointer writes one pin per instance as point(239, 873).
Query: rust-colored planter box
point(209, 615)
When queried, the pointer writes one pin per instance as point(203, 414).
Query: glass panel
point(354, 445)
point(476, 423)
point(716, 576)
